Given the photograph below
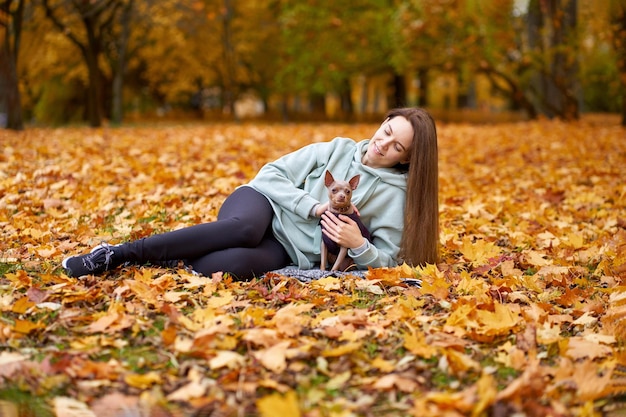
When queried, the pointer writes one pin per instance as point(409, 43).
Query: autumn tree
point(117, 52)
point(501, 52)
point(552, 39)
point(436, 36)
point(85, 25)
point(162, 52)
point(618, 25)
point(260, 48)
point(11, 15)
point(328, 42)
point(227, 48)
point(250, 47)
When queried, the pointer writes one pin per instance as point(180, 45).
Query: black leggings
point(240, 242)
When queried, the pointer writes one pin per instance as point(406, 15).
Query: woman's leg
point(242, 221)
point(244, 263)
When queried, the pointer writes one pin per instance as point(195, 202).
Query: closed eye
point(397, 145)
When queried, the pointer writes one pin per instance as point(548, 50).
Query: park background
point(114, 61)
point(129, 118)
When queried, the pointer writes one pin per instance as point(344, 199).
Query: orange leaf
point(22, 305)
point(25, 326)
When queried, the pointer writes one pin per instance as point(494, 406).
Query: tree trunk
point(10, 101)
point(97, 18)
point(347, 106)
point(117, 111)
point(513, 89)
point(397, 98)
point(422, 76)
point(619, 44)
point(228, 49)
point(555, 86)
point(317, 105)
point(95, 103)
point(565, 65)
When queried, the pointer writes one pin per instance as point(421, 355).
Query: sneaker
point(99, 260)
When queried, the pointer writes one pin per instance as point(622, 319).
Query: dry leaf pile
point(525, 315)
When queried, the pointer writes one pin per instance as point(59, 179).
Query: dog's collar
point(342, 210)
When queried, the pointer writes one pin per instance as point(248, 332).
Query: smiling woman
point(272, 222)
point(390, 144)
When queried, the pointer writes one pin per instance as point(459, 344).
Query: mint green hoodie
point(294, 184)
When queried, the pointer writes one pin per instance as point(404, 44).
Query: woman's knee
point(248, 235)
point(244, 263)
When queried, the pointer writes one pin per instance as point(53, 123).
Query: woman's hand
point(342, 230)
point(321, 209)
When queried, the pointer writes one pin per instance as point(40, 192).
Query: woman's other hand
point(342, 230)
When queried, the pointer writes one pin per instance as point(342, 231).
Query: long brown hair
point(420, 239)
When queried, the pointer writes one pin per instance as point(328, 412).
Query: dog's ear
point(354, 181)
point(328, 179)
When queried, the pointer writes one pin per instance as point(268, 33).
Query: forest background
point(67, 61)
point(525, 315)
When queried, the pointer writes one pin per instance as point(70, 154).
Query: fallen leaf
point(69, 407)
point(279, 405)
point(274, 358)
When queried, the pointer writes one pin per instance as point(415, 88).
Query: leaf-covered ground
point(524, 316)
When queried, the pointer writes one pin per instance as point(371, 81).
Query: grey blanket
point(308, 275)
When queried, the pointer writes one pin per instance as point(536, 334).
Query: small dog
point(340, 202)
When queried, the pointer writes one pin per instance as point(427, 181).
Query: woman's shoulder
point(343, 141)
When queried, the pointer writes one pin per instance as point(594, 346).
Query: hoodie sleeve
point(283, 181)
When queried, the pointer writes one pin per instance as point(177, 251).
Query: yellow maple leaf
point(499, 322)
point(327, 283)
point(143, 291)
point(274, 405)
point(342, 350)
point(433, 282)
point(223, 299)
point(143, 381)
point(416, 343)
point(382, 364)
point(478, 252)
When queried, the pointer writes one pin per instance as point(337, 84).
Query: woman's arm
point(283, 181)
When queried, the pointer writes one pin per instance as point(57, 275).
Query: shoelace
point(94, 261)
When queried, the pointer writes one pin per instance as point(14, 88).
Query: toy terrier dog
point(340, 202)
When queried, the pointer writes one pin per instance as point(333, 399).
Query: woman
point(273, 221)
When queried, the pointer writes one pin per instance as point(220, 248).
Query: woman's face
point(390, 144)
